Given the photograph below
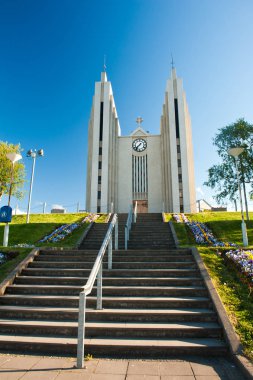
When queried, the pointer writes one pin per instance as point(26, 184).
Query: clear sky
point(52, 52)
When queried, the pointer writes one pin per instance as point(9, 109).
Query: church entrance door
point(142, 206)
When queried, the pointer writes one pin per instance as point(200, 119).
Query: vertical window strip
point(101, 121)
point(176, 118)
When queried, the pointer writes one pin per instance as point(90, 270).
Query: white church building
point(157, 171)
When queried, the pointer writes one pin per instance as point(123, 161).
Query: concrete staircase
point(151, 233)
point(97, 233)
point(155, 302)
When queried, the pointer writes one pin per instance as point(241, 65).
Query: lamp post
point(13, 157)
point(33, 155)
point(235, 152)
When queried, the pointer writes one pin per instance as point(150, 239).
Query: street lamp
point(33, 155)
point(13, 157)
point(235, 152)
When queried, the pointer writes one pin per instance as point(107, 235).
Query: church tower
point(177, 152)
point(154, 170)
point(104, 130)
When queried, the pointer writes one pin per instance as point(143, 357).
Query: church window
point(99, 179)
point(180, 177)
point(99, 194)
point(100, 151)
point(179, 163)
point(99, 164)
point(178, 148)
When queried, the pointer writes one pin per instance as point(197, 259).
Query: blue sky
point(52, 51)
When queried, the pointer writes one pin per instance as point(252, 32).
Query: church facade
point(155, 170)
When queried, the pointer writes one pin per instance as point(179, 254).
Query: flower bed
point(202, 234)
point(63, 231)
point(243, 261)
point(6, 256)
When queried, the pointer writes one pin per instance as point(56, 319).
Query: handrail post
point(81, 330)
point(110, 253)
point(126, 237)
point(99, 287)
point(135, 212)
point(116, 236)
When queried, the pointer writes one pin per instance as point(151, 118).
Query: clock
point(139, 145)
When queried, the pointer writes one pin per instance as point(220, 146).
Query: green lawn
point(226, 226)
point(41, 225)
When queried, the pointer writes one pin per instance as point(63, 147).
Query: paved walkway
point(50, 368)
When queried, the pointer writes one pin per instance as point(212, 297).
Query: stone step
point(129, 291)
point(111, 302)
point(130, 252)
point(114, 347)
point(116, 265)
point(116, 258)
point(109, 273)
point(121, 315)
point(150, 246)
point(119, 281)
point(111, 329)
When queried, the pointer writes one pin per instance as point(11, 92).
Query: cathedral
point(157, 171)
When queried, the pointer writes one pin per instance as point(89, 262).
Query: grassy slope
point(41, 225)
point(234, 294)
point(7, 267)
point(226, 226)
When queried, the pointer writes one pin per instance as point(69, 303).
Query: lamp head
point(41, 152)
point(236, 151)
point(29, 153)
point(14, 157)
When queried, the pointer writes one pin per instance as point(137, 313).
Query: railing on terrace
point(95, 273)
point(131, 218)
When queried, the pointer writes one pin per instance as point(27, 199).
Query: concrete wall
point(124, 173)
point(154, 173)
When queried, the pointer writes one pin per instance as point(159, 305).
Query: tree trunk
point(235, 205)
point(245, 200)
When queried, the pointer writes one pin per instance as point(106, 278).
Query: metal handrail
point(95, 273)
point(131, 218)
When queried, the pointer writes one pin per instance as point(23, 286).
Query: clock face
point(139, 145)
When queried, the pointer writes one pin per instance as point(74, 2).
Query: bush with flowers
point(202, 234)
point(63, 231)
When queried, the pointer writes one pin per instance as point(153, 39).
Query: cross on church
point(139, 120)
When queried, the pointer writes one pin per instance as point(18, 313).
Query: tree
point(222, 177)
point(5, 171)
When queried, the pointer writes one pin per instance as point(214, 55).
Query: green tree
point(222, 177)
point(5, 171)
